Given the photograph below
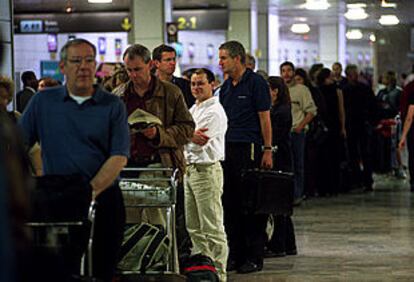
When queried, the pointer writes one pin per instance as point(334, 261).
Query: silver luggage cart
point(49, 235)
point(145, 192)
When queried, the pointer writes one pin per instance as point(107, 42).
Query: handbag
point(267, 191)
point(318, 131)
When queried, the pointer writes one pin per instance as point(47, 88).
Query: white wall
point(201, 39)
point(30, 49)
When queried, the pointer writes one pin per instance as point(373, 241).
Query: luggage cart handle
point(147, 169)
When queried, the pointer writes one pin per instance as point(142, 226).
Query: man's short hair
point(351, 67)
point(250, 60)
point(157, 52)
point(235, 48)
point(74, 42)
point(27, 76)
point(287, 63)
point(137, 50)
point(209, 74)
point(337, 64)
point(8, 85)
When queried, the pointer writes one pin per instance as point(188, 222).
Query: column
point(273, 43)
point(243, 28)
point(6, 38)
point(262, 53)
point(144, 14)
point(6, 43)
point(332, 43)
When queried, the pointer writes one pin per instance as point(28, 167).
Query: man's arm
point(107, 174)
point(309, 108)
point(407, 126)
point(308, 118)
point(266, 128)
point(182, 127)
point(341, 110)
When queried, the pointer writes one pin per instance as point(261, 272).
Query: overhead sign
point(214, 19)
point(64, 23)
point(31, 26)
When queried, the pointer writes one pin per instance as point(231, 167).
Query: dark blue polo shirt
point(76, 138)
point(242, 104)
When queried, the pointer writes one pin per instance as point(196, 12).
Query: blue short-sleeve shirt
point(242, 104)
point(76, 138)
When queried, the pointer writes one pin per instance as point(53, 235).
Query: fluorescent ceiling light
point(316, 5)
point(385, 4)
point(372, 37)
point(389, 20)
point(354, 34)
point(356, 5)
point(99, 1)
point(356, 14)
point(300, 28)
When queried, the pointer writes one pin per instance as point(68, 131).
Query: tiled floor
point(353, 237)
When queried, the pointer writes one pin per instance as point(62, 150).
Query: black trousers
point(360, 149)
point(410, 147)
point(245, 231)
point(109, 232)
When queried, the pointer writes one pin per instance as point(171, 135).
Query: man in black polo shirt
point(246, 99)
point(164, 58)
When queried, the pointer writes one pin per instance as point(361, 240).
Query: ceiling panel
point(288, 10)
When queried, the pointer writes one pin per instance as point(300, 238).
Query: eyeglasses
point(198, 83)
point(78, 60)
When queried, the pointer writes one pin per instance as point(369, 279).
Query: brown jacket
point(167, 103)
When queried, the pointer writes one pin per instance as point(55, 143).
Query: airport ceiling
point(290, 11)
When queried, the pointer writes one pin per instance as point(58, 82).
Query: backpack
point(145, 247)
point(200, 268)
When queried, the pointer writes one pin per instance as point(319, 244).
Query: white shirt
point(208, 114)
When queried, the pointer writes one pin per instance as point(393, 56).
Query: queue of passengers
point(210, 133)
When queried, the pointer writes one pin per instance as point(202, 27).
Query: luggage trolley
point(142, 192)
point(54, 234)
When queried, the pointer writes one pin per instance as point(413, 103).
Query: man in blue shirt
point(83, 130)
point(246, 100)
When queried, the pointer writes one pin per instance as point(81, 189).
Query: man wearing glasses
point(83, 130)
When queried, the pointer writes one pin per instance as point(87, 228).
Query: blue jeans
point(298, 151)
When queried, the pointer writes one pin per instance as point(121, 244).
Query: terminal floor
point(352, 237)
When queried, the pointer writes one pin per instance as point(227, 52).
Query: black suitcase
point(267, 191)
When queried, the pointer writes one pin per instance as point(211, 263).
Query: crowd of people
point(309, 123)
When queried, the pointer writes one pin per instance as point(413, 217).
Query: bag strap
point(148, 256)
point(133, 240)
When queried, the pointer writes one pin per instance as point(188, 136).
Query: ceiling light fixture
point(99, 1)
point(300, 28)
point(68, 8)
point(355, 14)
point(389, 20)
point(385, 4)
point(354, 34)
point(316, 5)
point(372, 38)
point(356, 5)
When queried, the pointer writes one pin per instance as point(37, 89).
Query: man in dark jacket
point(30, 84)
point(164, 58)
point(361, 117)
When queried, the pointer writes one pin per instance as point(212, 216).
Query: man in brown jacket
point(160, 144)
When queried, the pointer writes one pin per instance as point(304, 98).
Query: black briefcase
point(267, 191)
